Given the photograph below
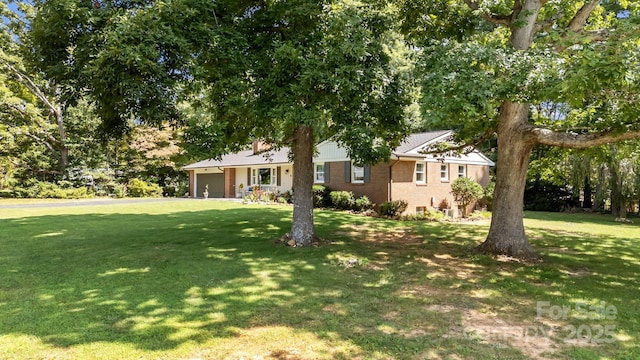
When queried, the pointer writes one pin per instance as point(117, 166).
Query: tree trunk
point(515, 142)
point(64, 149)
point(302, 227)
point(587, 203)
point(623, 209)
point(615, 184)
point(601, 189)
point(506, 234)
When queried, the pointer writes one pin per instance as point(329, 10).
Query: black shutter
point(248, 177)
point(367, 173)
point(347, 171)
point(278, 175)
point(326, 172)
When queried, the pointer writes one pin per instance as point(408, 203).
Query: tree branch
point(545, 136)
point(575, 32)
point(40, 140)
point(580, 19)
point(27, 167)
point(35, 89)
point(493, 18)
point(547, 24)
point(34, 119)
point(468, 146)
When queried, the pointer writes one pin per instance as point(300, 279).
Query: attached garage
point(215, 182)
point(234, 174)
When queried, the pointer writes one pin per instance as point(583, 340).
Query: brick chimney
point(260, 147)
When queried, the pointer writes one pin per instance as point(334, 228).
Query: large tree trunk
point(506, 234)
point(302, 227)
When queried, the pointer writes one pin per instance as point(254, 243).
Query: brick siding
point(377, 189)
point(402, 184)
point(191, 183)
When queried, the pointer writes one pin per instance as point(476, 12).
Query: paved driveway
point(91, 202)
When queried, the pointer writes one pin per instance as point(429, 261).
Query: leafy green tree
point(607, 172)
point(154, 155)
point(465, 192)
point(536, 72)
point(287, 72)
point(621, 161)
point(31, 116)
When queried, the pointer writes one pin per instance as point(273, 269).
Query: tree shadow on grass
point(499, 297)
point(157, 282)
point(73, 279)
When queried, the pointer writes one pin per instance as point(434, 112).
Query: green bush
point(102, 181)
point(21, 193)
point(430, 214)
point(287, 196)
point(480, 215)
point(544, 195)
point(393, 208)
point(175, 186)
point(433, 214)
point(363, 204)
point(487, 199)
point(119, 191)
point(342, 200)
point(321, 196)
point(140, 188)
point(80, 193)
point(252, 197)
point(48, 190)
point(268, 197)
point(465, 192)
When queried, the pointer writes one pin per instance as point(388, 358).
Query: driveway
point(91, 202)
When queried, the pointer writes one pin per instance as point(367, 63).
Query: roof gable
point(419, 140)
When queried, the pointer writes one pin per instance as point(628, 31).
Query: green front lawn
point(205, 280)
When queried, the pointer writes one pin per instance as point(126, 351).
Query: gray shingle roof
point(245, 158)
point(414, 140)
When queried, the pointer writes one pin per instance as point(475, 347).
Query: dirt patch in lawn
point(532, 339)
point(399, 238)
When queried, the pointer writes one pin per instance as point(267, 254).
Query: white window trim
point(353, 174)
point(273, 175)
point(423, 172)
point(464, 171)
point(316, 173)
point(446, 177)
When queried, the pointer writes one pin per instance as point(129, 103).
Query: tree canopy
point(288, 73)
point(31, 117)
point(534, 72)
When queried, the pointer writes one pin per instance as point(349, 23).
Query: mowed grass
point(205, 280)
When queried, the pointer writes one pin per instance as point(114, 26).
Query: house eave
point(187, 168)
point(448, 160)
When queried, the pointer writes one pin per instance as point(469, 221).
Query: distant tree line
point(54, 146)
point(604, 179)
